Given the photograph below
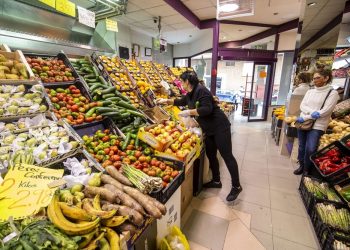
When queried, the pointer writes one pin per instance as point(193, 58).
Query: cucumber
point(124, 115)
point(102, 110)
point(126, 105)
point(126, 141)
point(117, 93)
point(113, 99)
point(108, 90)
point(112, 114)
point(103, 80)
point(95, 70)
point(106, 103)
point(95, 87)
point(88, 80)
point(83, 61)
point(90, 76)
point(85, 65)
point(135, 113)
point(93, 83)
point(107, 95)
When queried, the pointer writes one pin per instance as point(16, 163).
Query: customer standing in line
point(303, 83)
point(214, 124)
point(311, 109)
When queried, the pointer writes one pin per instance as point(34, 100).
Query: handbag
point(308, 124)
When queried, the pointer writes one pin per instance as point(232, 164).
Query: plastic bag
point(175, 240)
point(188, 122)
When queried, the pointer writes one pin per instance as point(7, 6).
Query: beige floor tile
point(238, 237)
point(294, 228)
point(260, 216)
point(195, 246)
point(264, 238)
point(282, 172)
point(244, 217)
point(284, 185)
point(254, 179)
point(282, 244)
point(256, 195)
point(258, 156)
point(288, 203)
point(259, 167)
point(216, 207)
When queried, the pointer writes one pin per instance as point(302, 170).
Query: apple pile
point(183, 145)
point(164, 132)
point(50, 70)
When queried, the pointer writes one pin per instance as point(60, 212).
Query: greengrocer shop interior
point(264, 41)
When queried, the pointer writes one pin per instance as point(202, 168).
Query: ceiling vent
point(228, 9)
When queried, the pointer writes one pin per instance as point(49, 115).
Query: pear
point(12, 109)
point(23, 136)
point(31, 142)
point(74, 144)
point(54, 153)
point(9, 139)
point(21, 88)
point(95, 181)
point(21, 125)
point(76, 188)
point(43, 108)
point(10, 126)
point(29, 96)
point(37, 100)
point(23, 110)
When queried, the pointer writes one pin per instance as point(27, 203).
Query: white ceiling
point(229, 32)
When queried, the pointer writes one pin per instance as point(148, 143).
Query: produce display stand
point(4, 47)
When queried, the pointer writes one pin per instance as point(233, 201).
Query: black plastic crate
point(338, 186)
point(291, 131)
point(164, 194)
point(59, 56)
point(339, 174)
point(91, 129)
point(335, 236)
point(308, 198)
point(345, 140)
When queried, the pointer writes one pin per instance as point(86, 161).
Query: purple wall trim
point(214, 58)
point(247, 55)
point(277, 39)
point(183, 10)
point(206, 24)
point(293, 24)
point(248, 23)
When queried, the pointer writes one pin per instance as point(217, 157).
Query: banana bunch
point(87, 219)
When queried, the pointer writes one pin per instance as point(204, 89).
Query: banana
point(56, 216)
point(104, 244)
point(95, 243)
point(87, 238)
point(74, 212)
point(97, 203)
point(114, 221)
point(99, 213)
point(112, 237)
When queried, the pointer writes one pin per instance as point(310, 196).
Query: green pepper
point(56, 105)
point(112, 141)
point(113, 136)
point(106, 145)
point(60, 90)
point(132, 158)
point(67, 91)
point(43, 74)
point(53, 92)
point(101, 152)
point(90, 112)
point(147, 151)
point(75, 114)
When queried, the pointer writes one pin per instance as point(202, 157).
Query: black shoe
point(299, 171)
point(213, 184)
point(234, 193)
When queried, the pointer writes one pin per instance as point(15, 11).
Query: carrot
point(135, 217)
point(125, 199)
point(147, 204)
point(112, 171)
point(107, 179)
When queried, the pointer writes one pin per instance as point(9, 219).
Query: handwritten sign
point(111, 25)
point(25, 190)
point(51, 3)
point(65, 7)
point(86, 17)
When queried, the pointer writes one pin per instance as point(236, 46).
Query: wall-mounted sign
point(262, 74)
point(111, 25)
point(65, 7)
point(51, 3)
point(86, 17)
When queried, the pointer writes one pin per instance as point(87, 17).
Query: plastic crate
point(344, 140)
point(164, 194)
point(308, 198)
point(332, 237)
point(338, 186)
point(339, 174)
point(59, 56)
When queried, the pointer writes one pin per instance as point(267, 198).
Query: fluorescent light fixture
point(311, 4)
point(228, 7)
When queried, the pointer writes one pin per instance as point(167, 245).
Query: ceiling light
point(229, 7)
point(275, 14)
point(240, 30)
point(311, 4)
point(190, 35)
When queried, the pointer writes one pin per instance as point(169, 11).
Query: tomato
point(166, 178)
point(99, 117)
point(107, 150)
point(142, 158)
point(126, 160)
point(79, 121)
point(105, 138)
point(138, 166)
point(54, 99)
point(114, 148)
point(89, 119)
point(107, 163)
point(117, 164)
point(174, 173)
point(164, 184)
point(75, 108)
point(70, 118)
point(130, 147)
point(138, 154)
point(106, 131)
point(162, 166)
point(72, 87)
point(152, 173)
point(115, 158)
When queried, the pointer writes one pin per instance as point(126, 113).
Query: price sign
point(51, 3)
point(111, 25)
point(86, 17)
point(65, 7)
point(25, 190)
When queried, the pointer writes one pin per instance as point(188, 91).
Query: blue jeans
point(308, 143)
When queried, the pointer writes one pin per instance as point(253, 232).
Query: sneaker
point(213, 184)
point(234, 193)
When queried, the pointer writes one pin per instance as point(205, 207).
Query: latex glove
point(300, 119)
point(315, 115)
point(185, 113)
point(161, 101)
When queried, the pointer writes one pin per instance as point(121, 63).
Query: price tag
point(25, 190)
point(65, 7)
point(165, 84)
point(51, 3)
point(86, 17)
point(111, 25)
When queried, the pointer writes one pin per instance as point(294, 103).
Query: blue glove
point(315, 115)
point(300, 119)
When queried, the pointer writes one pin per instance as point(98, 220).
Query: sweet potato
point(127, 227)
point(105, 194)
point(144, 200)
point(135, 217)
point(107, 179)
point(159, 205)
point(112, 171)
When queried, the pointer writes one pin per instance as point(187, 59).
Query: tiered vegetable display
point(339, 130)
point(320, 190)
point(336, 218)
point(166, 77)
point(139, 77)
point(12, 69)
point(332, 161)
point(50, 70)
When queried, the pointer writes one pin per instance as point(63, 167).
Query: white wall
point(287, 40)
point(203, 43)
point(232, 77)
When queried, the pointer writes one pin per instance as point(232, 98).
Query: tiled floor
point(268, 214)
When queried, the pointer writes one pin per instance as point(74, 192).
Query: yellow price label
point(25, 190)
point(51, 3)
point(65, 7)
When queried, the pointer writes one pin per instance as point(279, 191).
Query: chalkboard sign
point(124, 52)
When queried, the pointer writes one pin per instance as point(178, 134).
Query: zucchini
point(92, 80)
point(107, 95)
point(112, 114)
point(113, 99)
point(135, 113)
point(95, 70)
point(117, 93)
point(101, 110)
point(95, 87)
point(83, 61)
point(108, 90)
point(93, 83)
point(124, 129)
point(106, 103)
point(126, 105)
point(96, 98)
point(124, 115)
point(87, 70)
point(90, 76)
point(103, 80)
point(126, 141)
point(90, 112)
point(85, 65)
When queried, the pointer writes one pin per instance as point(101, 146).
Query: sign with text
point(86, 17)
point(111, 25)
point(66, 7)
point(25, 190)
point(51, 3)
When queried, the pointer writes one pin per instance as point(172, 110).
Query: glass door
point(260, 92)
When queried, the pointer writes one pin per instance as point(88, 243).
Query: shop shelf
point(332, 237)
point(59, 56)
point(340, 185)
point(164, 194)
point(345, 140)
point(339, 174)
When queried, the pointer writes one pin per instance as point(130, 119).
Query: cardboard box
point(187, 189)
point(151, 140)
point(18, 56)
point(157, 114)
point(172, 217)
point(148, 239)
point(190, 157)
